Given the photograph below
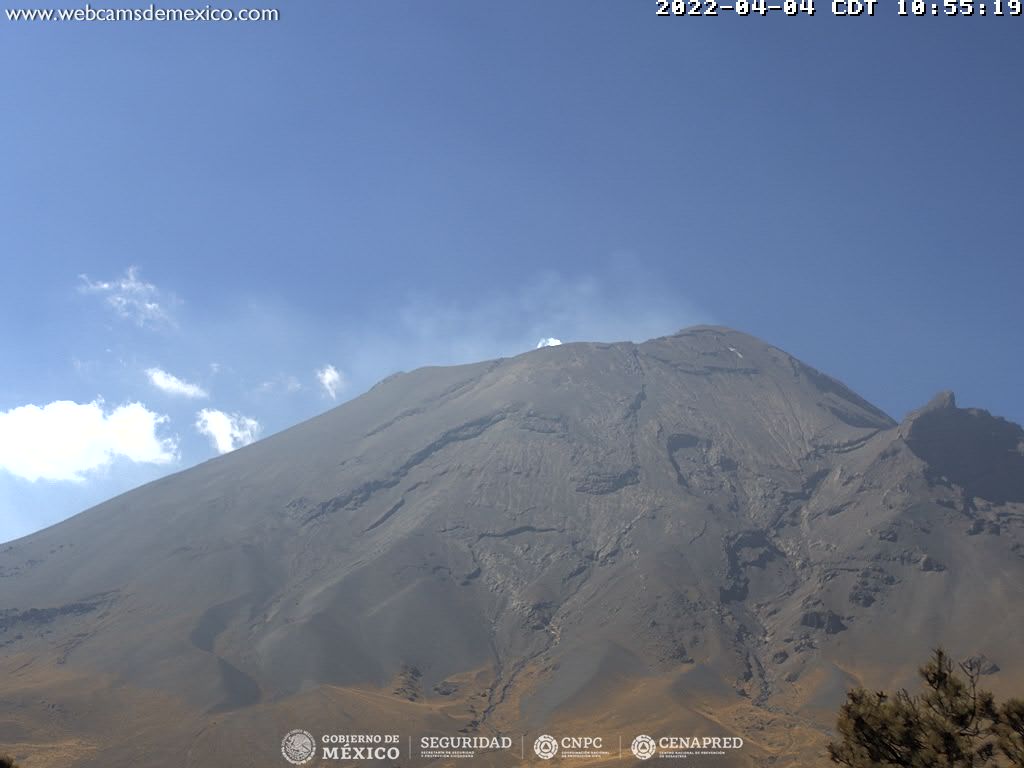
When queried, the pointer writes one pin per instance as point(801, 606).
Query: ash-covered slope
point(698, 529)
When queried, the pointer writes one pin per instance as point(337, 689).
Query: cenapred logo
point(643, 747)
point(545, 747)
point(298, 747)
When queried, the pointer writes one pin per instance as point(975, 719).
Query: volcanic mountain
point(696, 535)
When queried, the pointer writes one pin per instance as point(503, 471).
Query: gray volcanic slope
point(700, 522)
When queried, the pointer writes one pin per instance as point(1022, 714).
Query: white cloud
point(64, 440)
point(227, 431)
point(172, 385)
point(331, 379)
point(550, 341)
point(132, 298)
point(282, 383)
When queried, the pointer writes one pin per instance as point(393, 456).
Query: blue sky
point(377, 186)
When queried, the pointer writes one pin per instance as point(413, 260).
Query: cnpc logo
point(546, 747)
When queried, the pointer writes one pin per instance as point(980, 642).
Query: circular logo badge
point(643, 747)
point(546, 747)
point(298, 746)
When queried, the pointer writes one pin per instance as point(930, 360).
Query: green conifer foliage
point(952, 723)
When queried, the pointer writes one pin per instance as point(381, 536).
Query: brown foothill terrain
point(696, 535)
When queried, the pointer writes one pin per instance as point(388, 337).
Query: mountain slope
point(696, 531)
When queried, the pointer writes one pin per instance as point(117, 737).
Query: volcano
point(698, 535)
